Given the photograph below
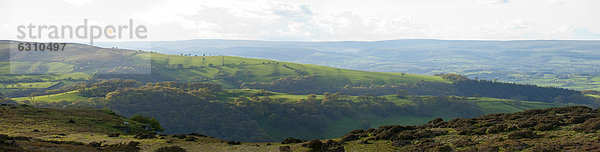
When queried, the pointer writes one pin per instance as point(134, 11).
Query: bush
point(349, 137)
point(435, 121)
point(577, 119)
point(419, 133)
point(385, 135)
point(496, 129)
point(95, 144)
point(197, 134)
point(389, 131)
point(145, 136)
point(114, 134)
point(443, 148)
point(191, 139)
point(132, 146)
point(292, 140)
point(544, 148)
point(463, 142)
point(356, 131)
point(170, 149)
point(522, 134)
point(590, 125)
point(370, 130)
point(544, 127)
point(330, 143)
point(400, 143)
point(285, 149)
point(234, 142)
point(315, 145)
point(526, 123)
point(514, 145)
point(154, 124)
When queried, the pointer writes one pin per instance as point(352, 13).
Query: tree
point(402, 94)
point(477, 96)
point(311, 98)
point(369, 98)
point(32, 95)
point(454, 77)
point(328, 98)
point(154, 124)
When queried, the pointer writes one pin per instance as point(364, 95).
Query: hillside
point(269, 116)
point(555, 129)
point(26, 128)
point(47, 122)
point(82, 63)
point(229, 71)
point(245, 73)
point(245, 99)
point(566, 64)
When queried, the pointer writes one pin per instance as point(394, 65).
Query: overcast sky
point(320, 20)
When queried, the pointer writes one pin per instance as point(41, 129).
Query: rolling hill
point(267, 115)
point(567, 64)
point(249, 99)
point(27, 128)
point(82, 62)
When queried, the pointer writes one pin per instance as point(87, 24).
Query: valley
point(255, 101)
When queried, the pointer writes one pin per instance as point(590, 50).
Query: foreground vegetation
point(555, 129)
point(259, 115)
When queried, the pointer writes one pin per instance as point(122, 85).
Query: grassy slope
point(67, 96)
point(254, 70)
point(51, 123)
point(22, 120)
point(339, 127)
point(572, 81)
point(92, 126)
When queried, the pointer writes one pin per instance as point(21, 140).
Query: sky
point(318, 20)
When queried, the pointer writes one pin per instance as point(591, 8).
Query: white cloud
point(6, 30)
point(80, 2)
point(517, 24)
point(577, 32)
point(353, 26)
point(494, 1)
point(334, 20)
point(556, 2)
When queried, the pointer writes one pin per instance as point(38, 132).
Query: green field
point(228, 71)
point(492, 105)
point(577, 81)
point(196, 68)
point(67, 96)
point(27, 85)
